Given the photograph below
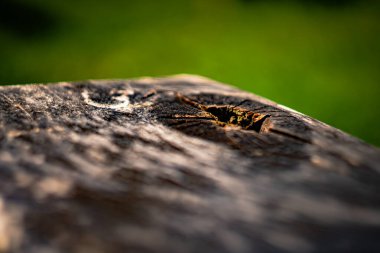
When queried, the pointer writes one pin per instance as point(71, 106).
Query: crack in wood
point(289, 135)
point(229, 115)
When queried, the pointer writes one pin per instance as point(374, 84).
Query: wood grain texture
point(178, 164)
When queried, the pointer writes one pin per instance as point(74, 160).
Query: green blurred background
point(321, 58)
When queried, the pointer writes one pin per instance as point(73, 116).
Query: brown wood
point(178, 164)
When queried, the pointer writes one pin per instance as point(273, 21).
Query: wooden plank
point(178, 164)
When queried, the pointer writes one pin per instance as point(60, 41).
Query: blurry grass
point(324, 62)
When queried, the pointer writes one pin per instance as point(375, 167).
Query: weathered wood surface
point(179, 164)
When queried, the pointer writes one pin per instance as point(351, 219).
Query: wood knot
point(229, 115)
